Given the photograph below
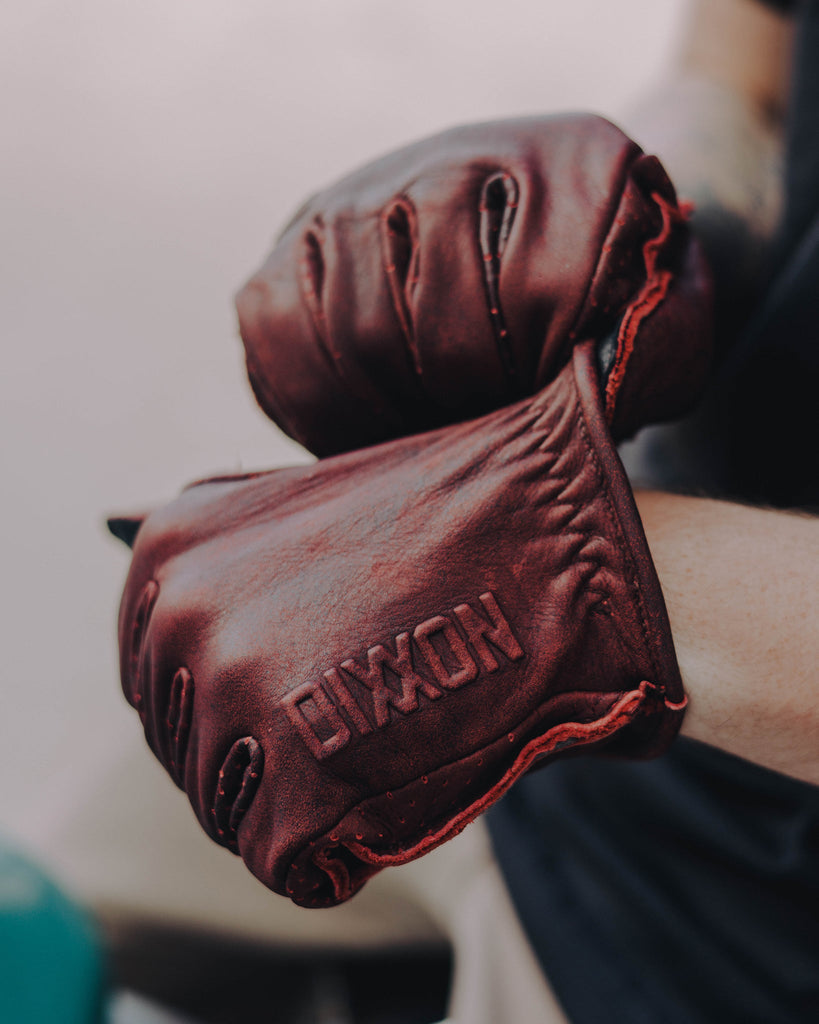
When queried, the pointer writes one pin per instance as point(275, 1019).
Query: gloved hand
point(455, 276)
point(345, 663)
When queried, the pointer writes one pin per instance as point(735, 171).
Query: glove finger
point(288, 366)
point(453, 276)
point(207, 753)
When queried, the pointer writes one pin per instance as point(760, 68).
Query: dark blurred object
point(221, 980)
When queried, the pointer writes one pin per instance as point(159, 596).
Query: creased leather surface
point(343, 664)
point(454, 276)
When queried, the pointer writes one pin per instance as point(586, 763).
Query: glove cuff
point(650, 735)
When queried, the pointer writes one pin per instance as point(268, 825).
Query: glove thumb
point(126, 527)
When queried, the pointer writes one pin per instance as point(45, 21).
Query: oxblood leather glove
point(455, 276)
point(343, 664)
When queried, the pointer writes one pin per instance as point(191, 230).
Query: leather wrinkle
point(139, 631)
point(616, 199)
point(313, 272)
point(237, 781)
point(623, 545)
point(154, 689)
point(179, 718)
point(493, 236)
point(555, 426)
point(316, 239)
point(311, 284)
point(399, 276)
point(159, 689)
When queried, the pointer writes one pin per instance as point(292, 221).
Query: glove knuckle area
point(372, 323)
point(213, 753)
point(136, 610)
point(237, 783)
point(165, 641)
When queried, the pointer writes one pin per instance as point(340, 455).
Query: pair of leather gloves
point(345, 663)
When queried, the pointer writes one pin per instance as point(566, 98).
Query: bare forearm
point(742, 590)
point(744, 46)
point(716, 121)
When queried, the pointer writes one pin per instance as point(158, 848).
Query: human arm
point(716, 120)
point(739, 581)
point(743, 45)
point(740, 585)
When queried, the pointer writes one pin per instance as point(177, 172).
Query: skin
point(716, 121)
point(742, 45)
point(740, 585)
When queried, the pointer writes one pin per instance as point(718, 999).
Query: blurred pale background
point(149, 151)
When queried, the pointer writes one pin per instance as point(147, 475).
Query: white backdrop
point(149, 151)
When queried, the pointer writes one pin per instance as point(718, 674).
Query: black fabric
point(780, 5)
point(679, 891)
point(802, 170)
point(687, 890)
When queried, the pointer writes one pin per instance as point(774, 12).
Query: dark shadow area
point(221, 980)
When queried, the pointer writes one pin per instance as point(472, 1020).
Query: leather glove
point(345, 663)
point(455, 276)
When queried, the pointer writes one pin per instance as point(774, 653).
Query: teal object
point(51, 965)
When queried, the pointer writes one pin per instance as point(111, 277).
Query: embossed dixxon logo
point(453, 657)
